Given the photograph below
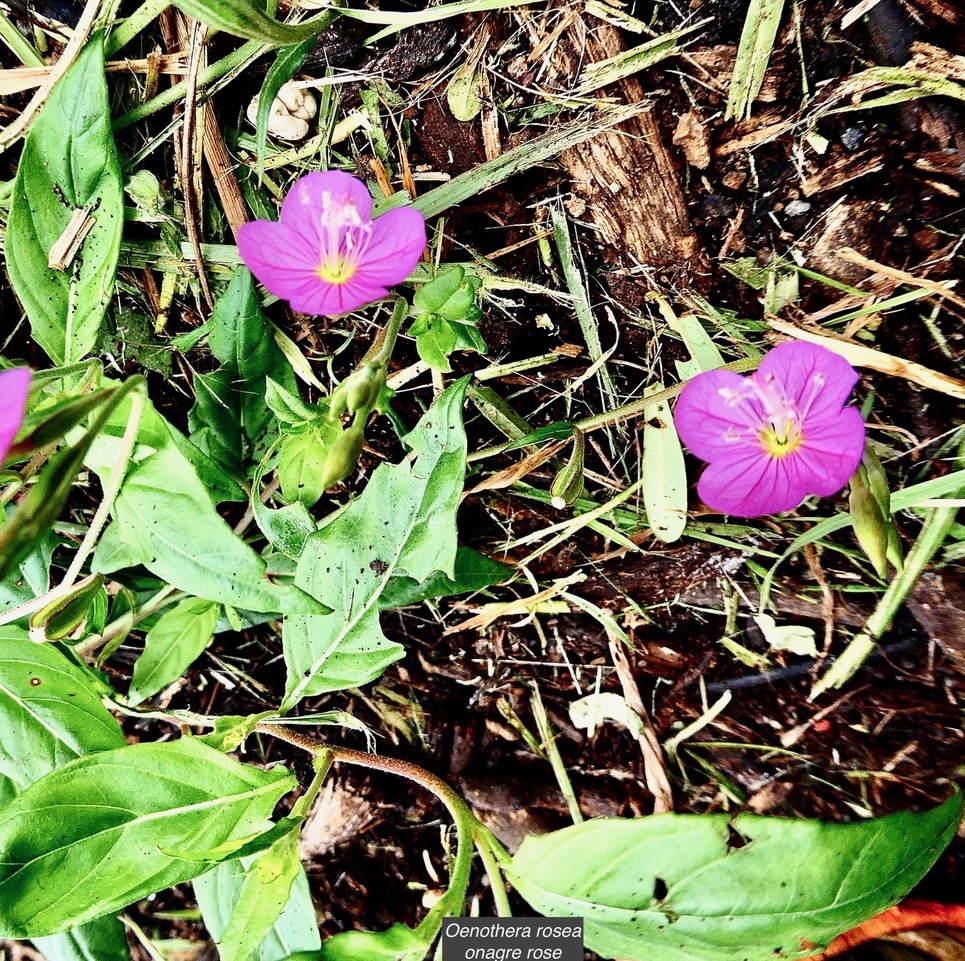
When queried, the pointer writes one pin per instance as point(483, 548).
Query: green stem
point(162, 598)
point(937, 527)
point(452, 903)
point(16, 41)
point(141, 18)
point(118, 472)
point(493, 871)
point(548, 744)
point(626, 412)
point(381, 350)
point(234, 61)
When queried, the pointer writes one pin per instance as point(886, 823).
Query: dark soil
point(894, 740)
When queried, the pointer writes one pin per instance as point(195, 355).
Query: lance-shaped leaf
point(49, 713)
point(172, 646)
point(403, 523)
point(230, 418)
point(69, 176)
point(664, 472)
point(685, 887)
point(113, 827)
point(294, 930)
point(164, 518)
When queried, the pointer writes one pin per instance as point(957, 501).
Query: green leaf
point(69, 163)
point(264, 893)
point(48, 713)
point(664, 472)
point(109, 828)
point(397, 943)
point(403, 523)
point(172, 646)
point(472, 571)
point(287, 404)
point(232, 730)
point(286, 65)
point(30, 578)
point(684, 887)
point(435, 341)
point(294, 930)
point(102, 939)
point(301, 465)
point(287, 528)
point(161, 490)
point(247, 18)
point(231, 401)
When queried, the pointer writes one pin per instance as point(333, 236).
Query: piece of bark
point(626, 175)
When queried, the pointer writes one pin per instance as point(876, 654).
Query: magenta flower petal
point(777, 436)
point(813, 377)
point(398, 239)
point(705, 420)
point(302, 207)
point(276, 256)
point(747, 486)
point(327, 256)
point(831, 451)
point(14, 387)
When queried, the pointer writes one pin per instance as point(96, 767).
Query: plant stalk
point(467, 827)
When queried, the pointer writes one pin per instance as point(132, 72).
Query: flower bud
point(363, 386)
point(342, 456)
point(869, 523)
point(568, 484)
point(877, 480)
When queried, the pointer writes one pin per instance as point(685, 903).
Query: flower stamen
point(344, 238)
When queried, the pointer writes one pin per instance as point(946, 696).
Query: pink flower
point(327, 255)
point(14, 387)
point(777, 436)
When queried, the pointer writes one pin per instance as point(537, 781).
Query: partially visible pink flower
point(777, 436)
point(327, 255)
point(14, 387)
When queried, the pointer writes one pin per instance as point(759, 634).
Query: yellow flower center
point(781, 444)
point(336, 271)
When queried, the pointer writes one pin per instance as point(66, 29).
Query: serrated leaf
point(664, 472)
point(175, 642)
point(160, 491)
point(403, 523)
point(69, 163)
point(294, 930)
point(49, 715)
point(90, 837)
point(685, 887)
